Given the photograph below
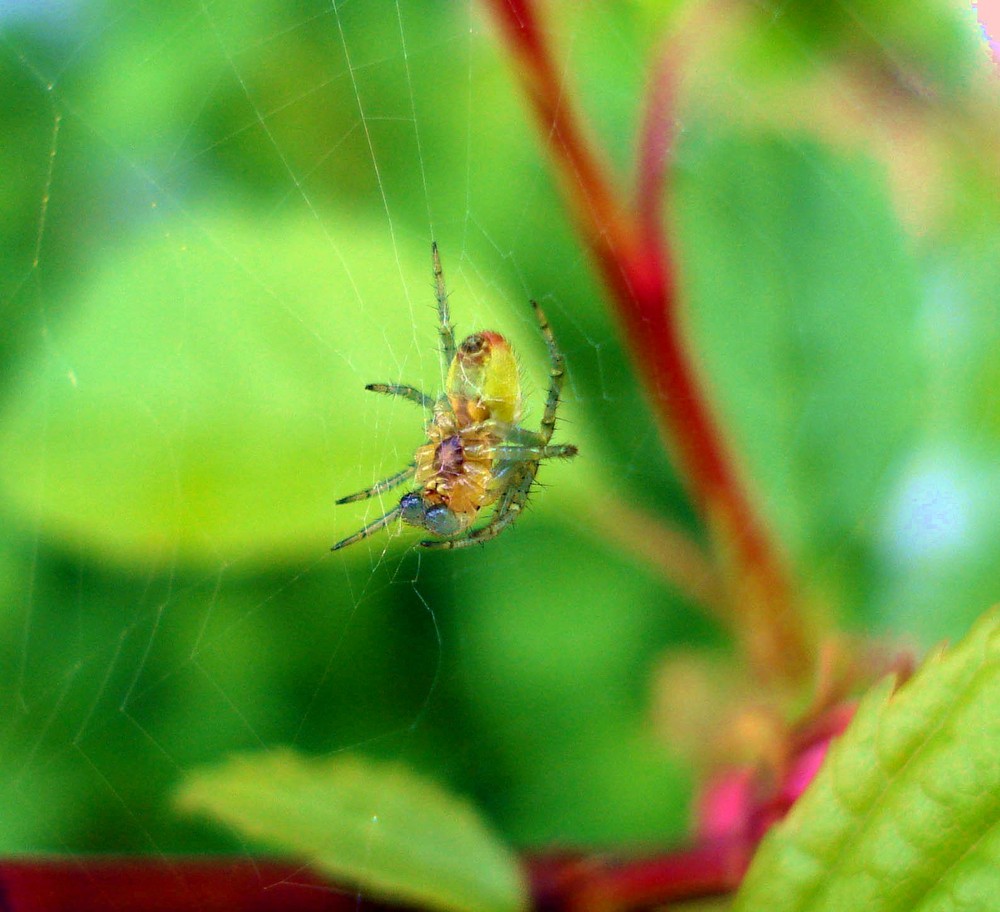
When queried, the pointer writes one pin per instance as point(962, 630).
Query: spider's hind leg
point(445, 329)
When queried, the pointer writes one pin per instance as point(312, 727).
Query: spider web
point(219, 232)
point(134, 656)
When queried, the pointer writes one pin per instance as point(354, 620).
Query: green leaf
point(904, 815)
point(803, 301)
point(380, 826)
point(610, 618)
point(204, 398)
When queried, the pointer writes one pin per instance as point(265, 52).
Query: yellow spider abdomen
point(483, 381)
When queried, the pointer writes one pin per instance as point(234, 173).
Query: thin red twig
point(594, 884)
point(655, 142)
point(634, 259)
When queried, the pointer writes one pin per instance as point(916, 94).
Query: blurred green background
point(216, 220)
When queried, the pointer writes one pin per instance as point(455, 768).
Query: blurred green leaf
point(560, 637)
point(802, 298)
point(920, 42)
point(206, 400)
point(381, 826)
point(905, 813)
point(942, 529)
point(198, 398)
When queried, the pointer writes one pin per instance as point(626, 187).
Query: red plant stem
point(585, 884)
point(635, 262)
point(226, 884)
point(140, 884)
point(656, 140)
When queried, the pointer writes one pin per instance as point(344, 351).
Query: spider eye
point(442, 521)
point(411, 509)
point(473, 345)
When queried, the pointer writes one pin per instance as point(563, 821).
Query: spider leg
point(379, 487)
point(530, 453)
point(508, 509)
point(498, 522)
point(445, 329)
point(404, 391)
point(557, 375)
point(379, 523)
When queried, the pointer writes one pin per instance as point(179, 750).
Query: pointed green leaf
point(905, 814)
point(380, 826)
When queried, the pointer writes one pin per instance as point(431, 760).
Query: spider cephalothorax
point(476, 453)
point(483, 380)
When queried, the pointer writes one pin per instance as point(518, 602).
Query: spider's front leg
point(379, 523)
point(380, 487)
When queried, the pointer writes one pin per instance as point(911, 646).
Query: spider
point(476, 453)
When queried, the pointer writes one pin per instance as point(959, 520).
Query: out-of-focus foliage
point(822, 396)
point(422, 847)
point(216, 221)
